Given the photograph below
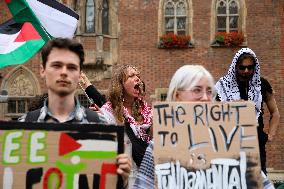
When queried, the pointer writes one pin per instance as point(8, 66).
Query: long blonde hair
point(116, 93)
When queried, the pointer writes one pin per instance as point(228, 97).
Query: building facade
point(116, 32)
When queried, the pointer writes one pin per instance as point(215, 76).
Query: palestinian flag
point(56, 18)
point(18, 42)
point(34, 23)
point(22, 13)
point(90, 148)
point(49, 17)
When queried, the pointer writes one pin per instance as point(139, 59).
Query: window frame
point(241, 22)
point(227, 15)
point(98, 18)
point(17, 114)
point(188, 22)
point(94, 18)
point(175, 16)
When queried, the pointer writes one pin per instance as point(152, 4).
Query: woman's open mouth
point(137, 86)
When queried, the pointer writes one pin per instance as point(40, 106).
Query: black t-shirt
point(265, 89)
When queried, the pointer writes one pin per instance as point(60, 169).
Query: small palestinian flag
point(91, 148)
point(18, 42)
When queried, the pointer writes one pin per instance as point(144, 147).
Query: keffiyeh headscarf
point(227, 86)
point(139, 129)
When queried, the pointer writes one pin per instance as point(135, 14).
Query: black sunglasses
point(250, 67)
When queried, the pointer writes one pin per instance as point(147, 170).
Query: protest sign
point(51, 155)
point(206, 145)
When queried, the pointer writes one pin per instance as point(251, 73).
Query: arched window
point(96, 16)
point(228, 14)
point(228, 18)
point(175, 16)
point(90, 16)
point(22, 86)
point(105, 17)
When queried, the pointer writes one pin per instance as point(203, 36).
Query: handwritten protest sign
point(49, 155)
point(206, 145)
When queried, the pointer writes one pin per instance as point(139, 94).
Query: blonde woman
point(125, 105)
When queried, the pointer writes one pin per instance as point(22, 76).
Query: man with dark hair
point(63, 43)
point(243, 82)
point(62, 60)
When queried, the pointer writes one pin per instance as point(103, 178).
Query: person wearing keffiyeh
point(243, 82)
point(126, 105)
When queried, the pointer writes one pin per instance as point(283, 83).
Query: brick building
point(116, 32)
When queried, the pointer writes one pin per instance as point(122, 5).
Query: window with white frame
point(227, 15)
point(175, 16)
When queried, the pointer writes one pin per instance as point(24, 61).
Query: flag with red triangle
point(34, 23)
point(67, 144)
point(70, 146)
point(18, 42)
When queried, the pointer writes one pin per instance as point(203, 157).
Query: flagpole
point(89, 99)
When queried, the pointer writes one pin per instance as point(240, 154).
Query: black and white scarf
point(227, 86)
